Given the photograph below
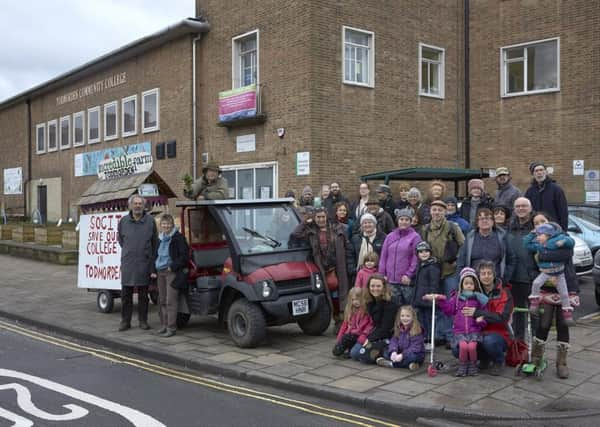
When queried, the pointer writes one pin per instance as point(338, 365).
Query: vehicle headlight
point(318, 280)
point(266, 289)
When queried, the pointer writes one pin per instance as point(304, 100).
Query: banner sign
point(237, 103)
point(99, 251)
point(125, 165)
point(86, 164)
point(13, 181)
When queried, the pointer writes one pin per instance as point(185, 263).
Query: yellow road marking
point(206, 382)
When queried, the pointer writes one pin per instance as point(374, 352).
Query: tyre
point(105, 301)
point(182, 320)
point(153, 296)
point(246, 323)
point(318, 322)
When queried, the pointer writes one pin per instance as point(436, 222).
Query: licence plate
point(300, 307)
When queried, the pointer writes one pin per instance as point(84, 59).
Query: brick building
point(360, 86)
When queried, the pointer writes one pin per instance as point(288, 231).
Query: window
point(431, 71)
point(110, 121)
point(245, 59)
point(78, 129)
point(40, 138)
point(150, 109)
point(530, 68)
point(252, 181)
point(359, 57)
point(52, 139)
point(64, 132)
point(129, 119)
point(93, 125)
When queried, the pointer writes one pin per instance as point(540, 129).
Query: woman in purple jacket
point(398, 261)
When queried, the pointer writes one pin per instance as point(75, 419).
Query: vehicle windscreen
point(588, 213)
point(261, 229)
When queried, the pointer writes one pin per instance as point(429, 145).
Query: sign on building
point(237, 103)
point(13, 181)
point(86, 164)
point(303, 163)
point(125, 165)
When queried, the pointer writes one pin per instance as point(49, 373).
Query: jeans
point(424, 316)
point(402, 294)
point(127, 303)
point(370, 355)
point(443, 322)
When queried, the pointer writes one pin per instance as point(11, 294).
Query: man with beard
point(335, 196)
point(507, 193)
point(546, 195)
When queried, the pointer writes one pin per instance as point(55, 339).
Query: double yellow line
point(311, 408)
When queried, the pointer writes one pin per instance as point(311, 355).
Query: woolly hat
point(290, 193)
point(451, 200)
point(307, 190)
point(211, 166)
point(414, 192)
point(546, 228)
point(534, 165)
point(423, 246)
point(406, 212)
point(502, 171)
point(476, 183)
point(372, 200)
point(368, 217)
point(469, 272)
point(439, 203)
point(384, 189)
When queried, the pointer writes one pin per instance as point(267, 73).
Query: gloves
point(396, 357)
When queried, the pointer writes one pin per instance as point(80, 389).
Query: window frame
point(76, 115)
point(123, 101)
point(155, 91)
point(504, 74)
point(371, 34)
point(441, 71)
point(60, 132)
point(37, 145)
point(116, 135)
point(90, 140)
point(235, 63)
point(50, 123)
point(260, 165)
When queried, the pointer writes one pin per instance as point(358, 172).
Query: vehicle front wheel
point(182, 320)
point(318, 322)
point(105, 301)
point(246, 323)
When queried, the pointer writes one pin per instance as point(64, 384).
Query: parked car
point(582, 256)
point(589, 212)
point(586, 230)
point(596, 274)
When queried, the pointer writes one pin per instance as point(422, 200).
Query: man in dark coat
point(384, 195)
point(547, 196)
point(335, 196)
point(138, 238)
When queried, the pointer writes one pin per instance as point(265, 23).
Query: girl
point(357, 323)
point(368, 268)
point(466, 329)
point(406, 348)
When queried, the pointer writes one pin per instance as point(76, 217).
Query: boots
point(561, 360)
point(537, 352)
point(462, 369)
point(472, 368)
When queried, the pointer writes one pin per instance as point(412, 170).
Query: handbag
point(517, 353)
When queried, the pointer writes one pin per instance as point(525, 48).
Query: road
point(586, 296)
point(48, 381)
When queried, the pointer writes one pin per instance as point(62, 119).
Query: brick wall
point(13, 153)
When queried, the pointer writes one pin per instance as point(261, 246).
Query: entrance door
point(43, 202)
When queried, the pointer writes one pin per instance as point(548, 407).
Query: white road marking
point(18, 420)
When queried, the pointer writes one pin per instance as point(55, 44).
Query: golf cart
point(244, 268)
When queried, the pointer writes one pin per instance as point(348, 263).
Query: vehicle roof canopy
point(426, 174)
point(233, 202)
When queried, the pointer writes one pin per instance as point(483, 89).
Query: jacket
point(385, 223)
point(179, 254)
point(355, 244)
point(383, 314)
point(464, 324)
point(215, 191)
point(507, 262)
point(359, 324)
point(549, 267)
point(564, 255)
point(139, 249)
point(330, 201)
point(389, 206)
point(465, 207)
point(437, 236)
point(406, 344)
point(464, 225)
point(362, 277)
point(550, 198)
point(498, 312)
point(427, 280)
point(398, 255)
point(506, 195)
point(525, 266)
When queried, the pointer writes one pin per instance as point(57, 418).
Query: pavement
point(45, 295)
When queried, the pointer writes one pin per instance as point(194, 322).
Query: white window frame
point(60, 133)
point(50, 123)
point(504, 74)
point(89, 112)
point(37, 145)
point(441, 71)
point(236, 80)
point(371, 34)
point(116, 135)
point(75, 116)
point(155, 91)
point(123, 101)
point(254, 166)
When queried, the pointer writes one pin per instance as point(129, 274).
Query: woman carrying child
point(406, 348)
point(357, 323)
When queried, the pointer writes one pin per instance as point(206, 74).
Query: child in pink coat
point(367, 270)
point(357, 324)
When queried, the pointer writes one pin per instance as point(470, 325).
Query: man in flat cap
point(507, 193)
point(210, 186)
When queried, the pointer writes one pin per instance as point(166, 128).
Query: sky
point(40, 39)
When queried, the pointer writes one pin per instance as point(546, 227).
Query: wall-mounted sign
point(237, 103)
point(125, 165)
point(91, 89)
point(13, 181)
point(148, 190)
point(578, 167)
point(245, 143)
point(303, 163)
point(86, 164)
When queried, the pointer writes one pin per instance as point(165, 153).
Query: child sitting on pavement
point(406, 348)
point(547, 237)
point(368, 268)
point(357, 323)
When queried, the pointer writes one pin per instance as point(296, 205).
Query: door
point(42, 202)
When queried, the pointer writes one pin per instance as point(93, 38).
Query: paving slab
point(522, 398)
point(310, 378)
point(334, 371)
point(407, 387)
point(272, 359)
point(355, 384)
point(491, 404)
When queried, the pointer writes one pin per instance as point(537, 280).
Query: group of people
point(385, 261)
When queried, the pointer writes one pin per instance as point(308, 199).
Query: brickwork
point(13, 153)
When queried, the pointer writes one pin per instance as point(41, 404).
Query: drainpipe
point(29, 160)
point(194, 109)
point(467, 89)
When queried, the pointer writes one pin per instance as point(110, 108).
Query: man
point(507, 193)
point(384, 195)
point(547, 196)
point(453, 215)
point(477, 198)
point(335, 196)
point(385, 223)
point(138, 238)
point(307, 199)
point(210, 186)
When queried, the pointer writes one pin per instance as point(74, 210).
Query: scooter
point(529, 368)
point(434, 366)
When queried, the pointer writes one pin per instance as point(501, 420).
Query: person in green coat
point(210, 186)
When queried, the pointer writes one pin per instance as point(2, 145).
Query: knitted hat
point(372, 200)
point(307, 190)
point(451, 200)
point(384, 189)
point(469, 272)
point(546, 228)
point(476, 183)
point(406, 212)
point(502, 171)
point(534, 165)
point(414, 192)
point(439, 203)
point(367, 217)
point(211, 166)
point(423, 246)
point(290, 193)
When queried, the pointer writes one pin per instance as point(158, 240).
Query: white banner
point(13, 181)
point(99, 251)
point(125, 165)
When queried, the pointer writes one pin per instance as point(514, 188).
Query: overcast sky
point(41, 39)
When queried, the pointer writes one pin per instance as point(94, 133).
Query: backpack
point(451, 248)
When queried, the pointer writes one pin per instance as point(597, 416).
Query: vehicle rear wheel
point(246, 323)
point(318, 322)
point(182, 320)
point(105, 301)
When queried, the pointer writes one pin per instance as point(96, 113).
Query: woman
point(171, 270)
point(382, 311)
point(368, 240)
point(399, 258)
point(341, 215)
point(359, 207)
point(421, 210)
point(501, 216)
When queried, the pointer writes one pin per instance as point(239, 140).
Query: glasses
point(521, 206)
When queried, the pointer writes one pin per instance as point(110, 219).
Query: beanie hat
point(423, 246)
point(384, 189)
point(476, 183)
point(439, 203)
point(307, 190)
point(469, 272)
point(451, 199)
point(534, 165)
point(414, 192)
point(546, 228)
point(372, 200)
point(502, 171)
point(367, 217)
point(290, 193)
point(406, 212)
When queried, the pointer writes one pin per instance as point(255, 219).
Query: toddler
point(368, 268)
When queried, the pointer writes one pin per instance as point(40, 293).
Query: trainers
point(161, 330)
point(169, 333)
point(144, 325)
point(568, 316)
point(123, 326)
point(413, 366)
point(382, 361)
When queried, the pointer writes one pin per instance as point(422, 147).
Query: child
point(406, 348)
point(547, 237)
point(368, 268)
point(426, 281)
point(357, 323)
point(466, 329)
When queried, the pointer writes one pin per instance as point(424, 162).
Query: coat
point(498, 312)
point(548, 197)
point(383, 314)
point(362, 277)
point(427, 280)
point(359, 324)
point(549, 267)
point(506, 195)
point(215, 191)
point(389, 206)
point(330, 201)
point(507, 263)
point(525, 266)
point(179, 254)
point(464, 225)
point(139, 249)
point(463, 324)
point(398, 255)
point(437, 236)
point(406, 344)
point(355, 244)
point(465, 207)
